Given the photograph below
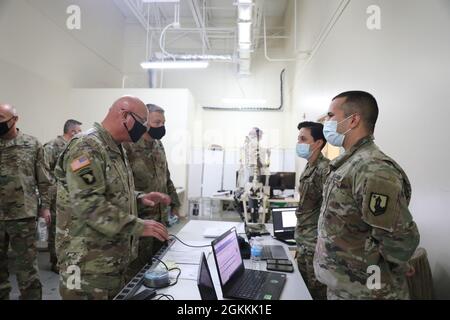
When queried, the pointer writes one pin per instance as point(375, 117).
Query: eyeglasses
point(137, 118)
point(4, 121)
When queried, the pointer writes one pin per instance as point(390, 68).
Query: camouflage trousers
point(91, 287)
point(147, 248)
point(51, 242)
point(305, 259)
point(387, 293)
point(21, 235)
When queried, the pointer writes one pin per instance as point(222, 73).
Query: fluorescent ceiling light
point(245, 13)
point(245, 1)
point(244, 47)
point(175, 64)
point(244, 101)
point(245, 32)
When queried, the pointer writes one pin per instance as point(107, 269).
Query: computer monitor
point(282, 181)
point(261, 178)
point(284, 222)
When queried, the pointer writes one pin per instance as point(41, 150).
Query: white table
point(295, 288)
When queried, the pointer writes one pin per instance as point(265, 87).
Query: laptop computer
point(240, 283)
point(213, 232)
point(284, 223)
point(204, 281)
point(274, 252)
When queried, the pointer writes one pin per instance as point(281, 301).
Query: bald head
point(7, 111)
point(8, 120)
point(126, 119)
point(131, 104)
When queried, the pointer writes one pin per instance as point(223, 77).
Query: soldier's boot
point(31, 290)
point(4, 293)
point(22, 238)
point(5, 287)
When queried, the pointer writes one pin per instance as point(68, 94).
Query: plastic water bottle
point(256, 253)
point(42, 230)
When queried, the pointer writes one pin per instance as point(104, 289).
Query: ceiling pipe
point(295, 40)
point(132, 5)
point(326, 31)
point(199, 23)
point(210, 57)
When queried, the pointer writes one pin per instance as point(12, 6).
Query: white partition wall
point(210, 171)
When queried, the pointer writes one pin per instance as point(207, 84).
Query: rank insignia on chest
point(88, 177)
point(378, 203)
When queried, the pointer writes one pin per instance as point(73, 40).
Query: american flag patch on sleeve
point(80, 163)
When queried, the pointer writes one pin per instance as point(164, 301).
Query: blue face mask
point(304, 150)
point(330, 132)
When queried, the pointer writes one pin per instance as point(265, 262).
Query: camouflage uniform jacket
point(151, 174)
point(23, 179)
point(310, 190)
point(97, 223)
point(365, 221)
point(52, 150)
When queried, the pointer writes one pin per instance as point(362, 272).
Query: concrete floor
point(50, 280)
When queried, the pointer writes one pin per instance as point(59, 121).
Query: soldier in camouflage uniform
point(52, 150)
point(310, 144)
point(97, 225)
point(151, 174)
point(366, 232)
point(22, 173)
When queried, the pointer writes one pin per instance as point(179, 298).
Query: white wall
point(221, 80)
point(406, 66)
point(40, 59)
point(91, 105)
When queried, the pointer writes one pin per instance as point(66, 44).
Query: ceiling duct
point(210, 57)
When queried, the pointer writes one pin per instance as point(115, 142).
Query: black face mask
point(4, 129)
point(157, 133)
point(137, 131)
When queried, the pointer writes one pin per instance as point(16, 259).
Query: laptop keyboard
point(251, 284)
point(267, 253)
point(274, 252)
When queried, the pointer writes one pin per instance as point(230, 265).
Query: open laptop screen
point(228, 256)
point(204, 281)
